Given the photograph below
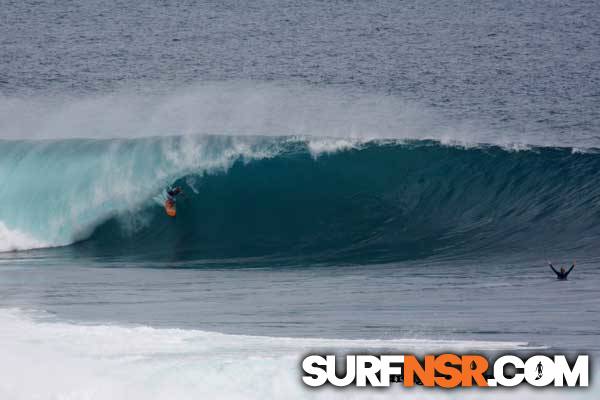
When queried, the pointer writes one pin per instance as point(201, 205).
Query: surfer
point(562, 274)
point(540, 371)
point(173, 193)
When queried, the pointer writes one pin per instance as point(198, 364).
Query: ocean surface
point(370, 175)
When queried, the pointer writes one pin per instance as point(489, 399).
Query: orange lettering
point(473, 368)
point(412, 367)
point(445, 364)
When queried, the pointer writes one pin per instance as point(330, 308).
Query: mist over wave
point(246, 108)
point(281, 169)
point(238, 108)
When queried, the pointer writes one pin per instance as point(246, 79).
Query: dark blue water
point(352, 169)
point(529, 69)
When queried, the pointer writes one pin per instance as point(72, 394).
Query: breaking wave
point(298, 198)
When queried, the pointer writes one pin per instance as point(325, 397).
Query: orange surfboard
point(170, 208)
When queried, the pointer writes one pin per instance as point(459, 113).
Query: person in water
point(173, 193)
point(562, 274)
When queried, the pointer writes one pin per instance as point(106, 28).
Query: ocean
point(387, 176)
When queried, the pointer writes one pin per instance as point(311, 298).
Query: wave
point(297, 198)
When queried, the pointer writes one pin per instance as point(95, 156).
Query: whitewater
point(376, 176)
point(100, 362)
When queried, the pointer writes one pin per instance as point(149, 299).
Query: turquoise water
point(279, 199)
point(357, 175)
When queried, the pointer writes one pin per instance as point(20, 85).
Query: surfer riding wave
point(172, 194)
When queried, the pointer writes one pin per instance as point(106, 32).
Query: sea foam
point(46, 359)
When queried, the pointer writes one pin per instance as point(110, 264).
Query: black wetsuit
point(172, 193)
point(562, 275)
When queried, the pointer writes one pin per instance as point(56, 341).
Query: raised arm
point(555, 271)
point(570, 269)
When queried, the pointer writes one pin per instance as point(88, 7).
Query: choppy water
point(528, 69)
point(394, 173)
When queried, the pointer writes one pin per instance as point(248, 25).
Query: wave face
point(296, 198)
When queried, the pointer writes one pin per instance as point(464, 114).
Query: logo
point(444, 370)
point(540, 369)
